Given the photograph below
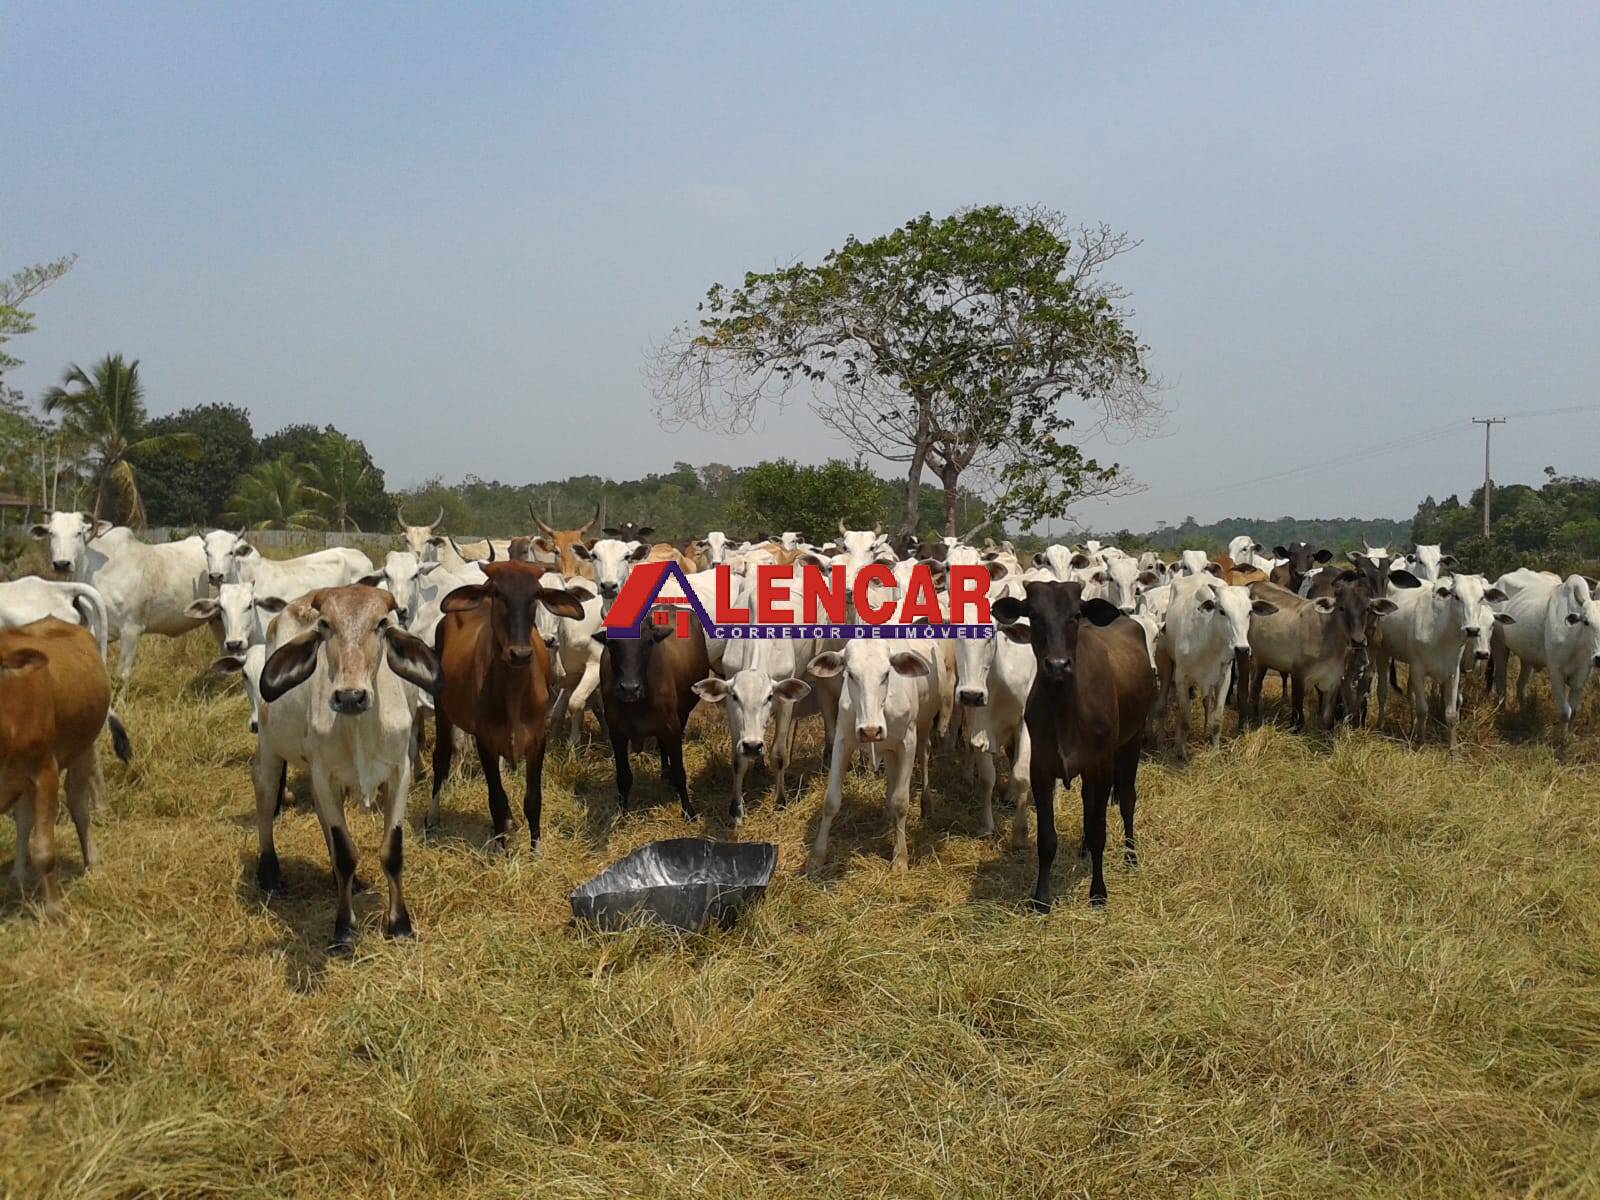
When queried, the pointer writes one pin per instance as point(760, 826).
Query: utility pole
point(1488, 424)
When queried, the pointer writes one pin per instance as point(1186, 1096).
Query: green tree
point(339, 470)
point(277, 495)
point(782, 495)
point(17, 291)
point(367, 505)
point(104, 407)
point(180, 489)
point(953, 346)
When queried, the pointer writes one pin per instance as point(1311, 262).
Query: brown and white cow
point(560, 542)
point(339, 691)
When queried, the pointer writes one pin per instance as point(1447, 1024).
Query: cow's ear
point(290, 665)
point(1447, 560)
point(659, 633)
point(582, 551)
point(371, 580)
point(713, 689)
point(101, 528)
point(463, 598)
point(1039, 560)
point(1263, 608)
point(1324, 555)
point(1018, 632)
point(428, 568)
point(226, 665)
point(1504, 619)
point(410, 658)
point(1008, 609)
point(39, 532)
point(581, 589)
point(791, 690)
point(641, 534)
point(1214, 568)
point(1382, 607)
point(639, 553)
point(243, 550)
point(1279, 552)
point(1208, 605)
point(813, 560)
point(599, 635)
point(1149, 578)
point(826, 666)
point(203, 610)
point(1079, 561)
point(997, 570)
point(1100, 612)
point(271, 604)
point(545, 544)
point(561, 602)
point(1323, 604)
point(1495, 596)
point(912, 666)
point(1404, 579)
point(611, 531)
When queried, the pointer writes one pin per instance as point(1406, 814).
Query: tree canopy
point(180, 489)
point(950, 345)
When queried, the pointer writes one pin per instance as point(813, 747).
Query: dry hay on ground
point(1344, 967)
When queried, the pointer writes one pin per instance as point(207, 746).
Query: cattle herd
point(496, 643)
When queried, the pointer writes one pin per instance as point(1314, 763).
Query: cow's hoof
point(344, 943)
point(533, 847)
point(1096, 901)
point(1038, 905)
point(1130, 856)
point(269, 878)
point(400, 930)
point(359, 886)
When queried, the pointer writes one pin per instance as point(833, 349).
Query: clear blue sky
point(453, 229)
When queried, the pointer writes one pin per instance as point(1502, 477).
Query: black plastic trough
point(684, 883)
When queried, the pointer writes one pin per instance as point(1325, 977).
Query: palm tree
point(104, 408)
point(338, 472)
point(277, 495)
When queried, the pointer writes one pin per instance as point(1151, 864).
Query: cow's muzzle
point(972, 697)
point(351, 701)
point(519, 656)
point(215, 579)
point(62, 565)
point(630, 693)
point(608, 590)
point(234, 646)
point(870, 733)
point(752, 749)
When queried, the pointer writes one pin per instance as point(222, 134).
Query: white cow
point(292, 577)
point(420, 539)
point(1244, 548)
point(1427, 563)
point(1063, 562)
point(146, 589)
point(1194, 562)
point(612, 560)
point(752, 698)
point(889, 700)
point(1431, 628)
point(249, 667)
point(340, 689)
point(1555, 625)
point(574, 653)
point(237, 620)
point(1118, 580)
point(993, 679)
point(402, 577)
point(1207, 632)
point(33, 599)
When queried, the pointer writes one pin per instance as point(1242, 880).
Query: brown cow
point(1313, 642)
point(1086, 714)
point(497, 684)
point(647, 686)
point(560, 542)
point(54, 698)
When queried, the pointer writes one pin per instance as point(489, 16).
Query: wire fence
point(288, 539)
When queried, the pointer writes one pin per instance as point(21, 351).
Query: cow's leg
point(1380, 667)
point(1042, 779)
point(1524, 677)
point(444, 748)
point(533, 798)
point(1180, 712)
point(1096, 791)
point(1017, 785)
point(22, 814)
point(741, 764)
point(673, 753)
point(267, 772)
point(128, 635)
point(582, 692)
point(1561, 702)
point(1125, 789)
point(900, 760)
point(342, 847)
point(1255, 695)
point(842, 750)
point(619, 752)
point(1417, 685)
point(1297, 701)
point(419, 724)
point(1211, 714)
point(986, 776)
point(499, 803)
point(83, 792)
point(782, 741)
point(42, 836)
point(397, 921)
point(924, 745)
point(559, 706)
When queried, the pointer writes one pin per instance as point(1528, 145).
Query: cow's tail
point(119, 738)
point(91, 606)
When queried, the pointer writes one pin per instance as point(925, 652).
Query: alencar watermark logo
point(807, 602)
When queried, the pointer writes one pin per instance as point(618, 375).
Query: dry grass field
point(1345, 967)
